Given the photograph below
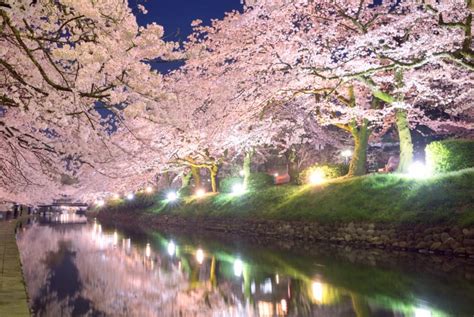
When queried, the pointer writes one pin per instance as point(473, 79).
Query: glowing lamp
point(238, 189)
point(130, 196)
point(346, 153)
point(100, 203)
point(116, 196)
point(200, 192)
point(316, 177)
point(200, 256)
point(275, 175)
point(238, 267)
point(149, 189)
point(171, 248)
point(172, 196)
point(418, 170)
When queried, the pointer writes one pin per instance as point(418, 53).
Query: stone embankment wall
point(422, 238)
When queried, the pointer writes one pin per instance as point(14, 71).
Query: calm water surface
point(73, 268)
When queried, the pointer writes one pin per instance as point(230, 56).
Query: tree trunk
point(293, 166)
point(246, 167)
point(214, 171)
point(196, 176)
point(406, 144)
point(361, 135)
point(185, 179)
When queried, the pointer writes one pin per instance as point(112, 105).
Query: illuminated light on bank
point(171, 248)
point(241, 172)
point(149, 189)
point(100, 203)
point(317, 177)
point(252, 287)
point(418, 170)
point(275, 175)
point(130, 196)
point(171, 196)
point(200, 256)
point(147, 250)
point(200, 192)
point(116, 196)
point(277, 279)
point(238, 267)
point(422, 312)
point(346, 153)
point(317, 290)
point(238, 189)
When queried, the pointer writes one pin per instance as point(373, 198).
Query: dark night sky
point(176, 16)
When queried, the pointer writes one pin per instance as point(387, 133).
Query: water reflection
point(86, 270)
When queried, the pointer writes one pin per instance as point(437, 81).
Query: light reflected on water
point(85, 270)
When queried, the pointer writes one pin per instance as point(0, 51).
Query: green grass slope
point(377, 197)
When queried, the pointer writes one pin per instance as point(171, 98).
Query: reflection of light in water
point(422, 312)
point(238, 267)
point(317, 289)
point(147, 250)
point(115, 237)
point(252, 287)
point(284, 306)
point(277, 279)
point(265, 309)
point(171, 248)
point(200, 256)
point(115, 281)
point(266, 287)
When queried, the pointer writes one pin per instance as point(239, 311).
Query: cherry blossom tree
point(332, 49)
point(68, 69)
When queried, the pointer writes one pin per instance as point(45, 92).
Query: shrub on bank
point(226, 184)
point(260, 181)
point(329, 171)
point(450, 155)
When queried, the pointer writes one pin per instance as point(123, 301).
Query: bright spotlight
point(149, 189)
point(317, 177)
point(346, 153)
point(171, 248)
point(130, 196)
point(418, 170)
point(172, 196)
point(238, 267)
point(238, 189)
point(100, 203)
point(200, 192)
point(200, 256)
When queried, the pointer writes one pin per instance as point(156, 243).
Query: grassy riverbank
point(375, 198)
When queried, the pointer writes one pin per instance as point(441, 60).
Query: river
point(78, 268)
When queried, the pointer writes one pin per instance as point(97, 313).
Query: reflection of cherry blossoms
point(116, 277)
